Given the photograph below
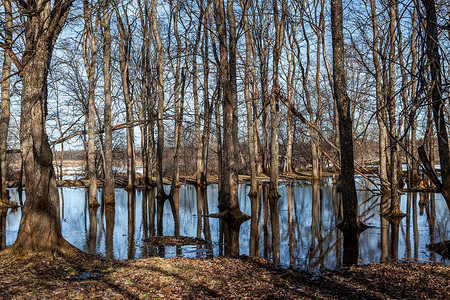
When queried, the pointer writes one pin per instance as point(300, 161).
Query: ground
point(89, 277)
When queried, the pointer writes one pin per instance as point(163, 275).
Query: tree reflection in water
point(308, 214)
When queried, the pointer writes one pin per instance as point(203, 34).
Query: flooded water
point(308, 217)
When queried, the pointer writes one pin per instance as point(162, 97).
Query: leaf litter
point(93, 277)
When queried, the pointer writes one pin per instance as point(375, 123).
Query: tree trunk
point(394, 210)
point(5, 104)
point(160, 96)
point(437, 99)
point(197, 121)
point(108, 191)
point(89, 56)
point(350, 222)
point(40, 225)
point(207, 107)
point(274, 117)
point(232, 215)
point(380, 103)
point(412, 116)
point(290, 53)
point(179, 105)
point(124, 60)
point(248, 101)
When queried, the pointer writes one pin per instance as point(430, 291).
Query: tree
point(229, 204)
point(351, 222)
point(248, 102)
point(40, 226)
point(394, 210)
point(274, 126)
point(124, 27)
point(437, 102)
point(5, 104)
point(108, 191)
point(381, 111)
point(90, 57)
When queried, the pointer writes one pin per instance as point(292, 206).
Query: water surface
point(308, 215)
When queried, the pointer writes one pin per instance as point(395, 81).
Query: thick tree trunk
point(5, 104)
point(207, 107)
point(124, 60)
point(350, 222)
point(89, 56)
point(437, 99)
point(262, 49)
point(40, 226)
point(108, 191)
point(380, 103)
point(248, 102)
point(161, 195)
point(412, 116)
point(290, 53)
point(197, 121)
point(394, 210)
point(255, 105)
point(160, 96)
point(274, 117)
point(232, 215)
point(180, 79)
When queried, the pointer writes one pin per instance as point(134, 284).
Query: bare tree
point(274, 126)
point(40, 226)
point(108, 191)
point(437, 101)
point(5, 104)
point(90, 57)
point(229, 204)
point(390, 98)
point(381, 111)
point(351, 222)
point(124, 27)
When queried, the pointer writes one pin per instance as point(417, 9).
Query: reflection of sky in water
point(316, 241)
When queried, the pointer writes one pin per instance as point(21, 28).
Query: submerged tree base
point(394, 213)
point(352, 226)
point(58, 249)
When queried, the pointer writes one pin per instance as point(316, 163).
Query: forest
point(257, 95)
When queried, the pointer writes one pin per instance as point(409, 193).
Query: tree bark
point(394, 210)
point(436, 97)
point(160, 96)
point(350, 222)
point(207, 106)
point(180, 80)
point(197, 121)
point(381, 120)
point(274, 125)
point(248, 101)
point(229, 205)
point(89, 56)
point(5, 104)
point(124, 60)
point(40, 225)
point(108, 191)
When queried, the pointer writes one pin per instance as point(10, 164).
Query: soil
point(90, 277)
